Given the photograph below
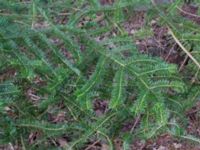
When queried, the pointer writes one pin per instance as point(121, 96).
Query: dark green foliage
point(52, 69)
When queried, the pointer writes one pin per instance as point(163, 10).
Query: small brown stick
point(195, 77)
point(135, 123)
point(183, 64)
point(92, 145)
point(170, 51)
point(188, 13)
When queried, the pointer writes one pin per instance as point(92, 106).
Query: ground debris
point(194, 120)
point(190, 12)
point(100, 107)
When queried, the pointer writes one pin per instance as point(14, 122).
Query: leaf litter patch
point(160, 43)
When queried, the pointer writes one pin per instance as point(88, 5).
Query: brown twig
point(92, 145)
point(135, 123)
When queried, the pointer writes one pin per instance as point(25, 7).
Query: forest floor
point(156, 45)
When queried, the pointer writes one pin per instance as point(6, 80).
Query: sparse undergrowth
point(76, 74)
